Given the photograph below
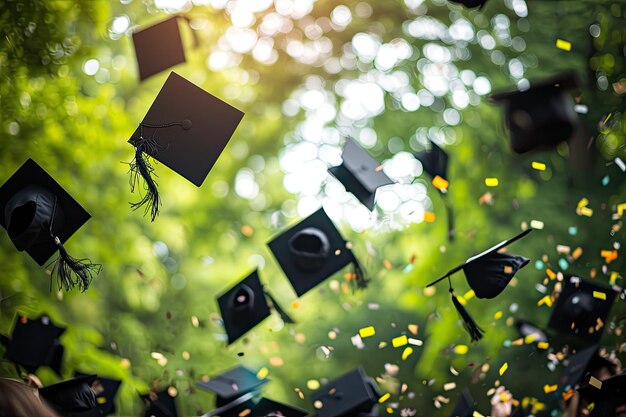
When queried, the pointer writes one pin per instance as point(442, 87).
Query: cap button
point(187, 124)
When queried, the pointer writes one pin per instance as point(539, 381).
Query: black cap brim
point(158, 47)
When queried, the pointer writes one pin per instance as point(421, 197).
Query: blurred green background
point(392, 74)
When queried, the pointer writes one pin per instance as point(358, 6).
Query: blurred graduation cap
point(234, 384)
point(488, 274)
point(39, 215)
point(435, 163)
point(35, 343)
point(72, 395)
point(541, 116)
point(607, 397)
point(470, 4)
point(245, 305)
point(584, 363)
point(464, 406)
point(105, 390)
point(312, 251)
point(353, 394)
point(160, 46)
point(251, 407)
point(359, 173)
point(159, 404)
point(578, 310)
point(186, 129)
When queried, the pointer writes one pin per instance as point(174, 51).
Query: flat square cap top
point(35, 343)
point(360, 173)
point(349, 395)
point(243, 307)
point(464, 406)
point(234, 383)
point(607, 398)
point(577, 365)
point(105, 390)
point(72, 395)
point(310, 251)
point(29, 201)
point(190, 127)
point(158, 47)
point(160, 404)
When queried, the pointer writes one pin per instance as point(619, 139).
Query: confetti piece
point(125, 363)
point(564, 45)
point(498, 315)
point(545, 300)
point(449, 386)
point(551, 273)
point(614, 276)
point(399, 341)
point(582, 203)
point(367, 331)
point(581, 109)
point(528, 339)
point(595, 383)
point(609, 255)
point(563, 264)
point(387, 264)
point(486, 198)
point(469, 295)
point(415, 342)
point(549, 388)
point(543, 345)
point(503, 368)
point(605, 180)
point(599, 295)
point(378, 168)
point(572, 230)
point(186, 356)
point(263, 373)
point(491, 182)
point(407, 352)
point(384, 398)
point(536, 224)
point(620, 164)
point(577, 253)
point(276, 361)
point(539, 166)
point(461, 349)
point(313, 384)
point(585, 211)
point(440, 183)
point(620, 209)
point(413, 328)
point(477, 414)
point(429, 216)
point(568, 394)
point(101, 400)
point(247, 231)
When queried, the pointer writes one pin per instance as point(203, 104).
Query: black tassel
point(71, 272)
point(274, 304)
point(475, 332)
point(141, 167)
point(358, 274)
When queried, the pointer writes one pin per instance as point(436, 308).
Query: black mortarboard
point(607, 398)
point(464, 406)
point(71, 395)
point(39, 215)
point(470, 4)
point(35, 343)
point(159, 404)
point(251, 407)
point(233, 384)
point(360, 173)
point(580, 365)
point(352, 394)
point(159, 47)
point(186, 129)
point(312, 251)
point(245, 305)
point(579, 308)
point(105, 390)
point(487, 274)
point(541, 116)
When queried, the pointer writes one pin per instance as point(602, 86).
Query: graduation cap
point(233, 384)
point(607, 397)
point(159, 47)
point(541, 116)
point(251, 407)
point(71, 395)
point(464, 406)
point(105, 390)
point(186, 129)
point(435, 163)
point(312, 251)
point(360, 173)
point(488, 274)
point(39, 215)
point(159, 404)
point(245, 305)
point(581, 304)
point(470, 4)
point(584, 363)
point(352, 394)
point(35, 343)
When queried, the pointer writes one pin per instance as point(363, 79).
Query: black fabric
point(309, 248)
point(71, 395)
point(464, 406)
point(486, 275)
point(607, 399)
point(470, 3)
point(160, 404)
point(233, 383)
point(29, 215)
point(434, 161)
point(105, 397)
point(35, 343)
point(351, 394)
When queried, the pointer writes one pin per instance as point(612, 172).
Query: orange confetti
point(609, 255)
point(440, 183)
point(295, 304)
point(387, 264)
point(247, 231)
point(413, 328)
point(551, 273)
point(378, 168)
point(568, 394)
point(276, 361)
point(577, 253)
point(429, 216)
point(486, 198)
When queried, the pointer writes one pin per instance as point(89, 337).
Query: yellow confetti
point(595, 383)
point(399, 341)
point(582, 203)
point(469, 295)
point(461, 349)
point(503, 368)
point(586, 211)
point(614, 276)
point(389, 410)
point(549, 388)
point(367, 331)
point(382, 345)
point(477, 414)
point(620, 209)
point(384, 398)
point(186, 356)
point(125, 363)
point(429, 216)
point(491, 182)
point(545, 300)
point(564, 45)
point(440, 183)
point(449, 386)
point(599, 295)
point(528, 339)
point(101, 400)
point(543, 345)
point(263, 373)
point(312, 384)
point(498, 315)
point(539, 166)
point(407, 352)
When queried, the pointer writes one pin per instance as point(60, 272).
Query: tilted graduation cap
point(159, 47)
point(470, 4)
point(35, 343)
point(435, 163)
point(252, 407)
point(581, 304)
point(186, 129)
point(245, 305)
point(541, 116)
point(39, 215)
point(159, 404)
point(488, 274)
point(233, 384)
point(464, 406)
point(313, 250)
point(105, 390)
point(607, 398)
point(580, 365)
point(353, 394)
point(72, 395)
point(359, 173)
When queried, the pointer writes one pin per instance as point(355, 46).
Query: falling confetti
point(461, 349)
point(491, 182)
point(449, 386)
point(564, 45)
point(536, 224)
point(367, 331)
point(545, 300)
point(406, 353)
point(413, 328)
point(384, 398)
point(429, 216)
point(595, 383)
point(549, 388)
point(599, 295)
point(503, 368)
point(263, 373)
point(539, 166)
point(399, 341)
point(440, 183)
point(312, 384)
point(609, 255)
